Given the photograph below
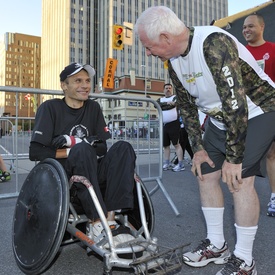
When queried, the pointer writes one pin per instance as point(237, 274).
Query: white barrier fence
point(131, 119)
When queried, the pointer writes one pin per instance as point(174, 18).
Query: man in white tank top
point(171, 128)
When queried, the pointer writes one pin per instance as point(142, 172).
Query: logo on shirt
point(266, 56)
point(79, 131)
point(191, 78)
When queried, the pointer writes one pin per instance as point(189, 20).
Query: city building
point(20, 67)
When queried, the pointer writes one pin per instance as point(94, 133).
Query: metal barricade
point(11, 148)
point(135, 126)
point(146, 137)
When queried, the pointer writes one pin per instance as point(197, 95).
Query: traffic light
point(118, 37)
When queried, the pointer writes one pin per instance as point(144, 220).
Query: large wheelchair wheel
point(40, 217)
point(134, 214)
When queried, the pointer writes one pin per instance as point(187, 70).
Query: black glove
point(65, 140)
point(99, 145)
point(93, 140)
point(59, 141)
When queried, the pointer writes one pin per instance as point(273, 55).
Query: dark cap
point(74, 68)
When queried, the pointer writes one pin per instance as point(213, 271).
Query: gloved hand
point(93, 140)
point(65, 141)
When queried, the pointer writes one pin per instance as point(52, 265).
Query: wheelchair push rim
point(40, 217)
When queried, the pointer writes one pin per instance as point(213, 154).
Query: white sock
point(245, 240)
point(214, 225)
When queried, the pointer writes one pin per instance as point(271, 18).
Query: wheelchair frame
point(34, 252)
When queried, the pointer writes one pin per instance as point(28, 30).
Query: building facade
point(67, 36)
point(121, 12)
point(20, 56)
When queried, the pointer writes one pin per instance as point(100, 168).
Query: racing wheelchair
point(45, 219)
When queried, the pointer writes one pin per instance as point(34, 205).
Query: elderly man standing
point(214, 73)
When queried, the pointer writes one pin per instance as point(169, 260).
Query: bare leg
point(246, 203)
point(166, 153)
point(210, 190)
point(2, 165)
point(179, 152)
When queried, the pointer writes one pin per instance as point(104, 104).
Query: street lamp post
point(145, 80)
point(145, 88)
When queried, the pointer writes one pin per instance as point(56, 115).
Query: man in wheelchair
point(73, 131)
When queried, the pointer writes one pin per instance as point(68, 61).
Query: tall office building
point(20, 66)
point(67, 36)
point(81, 31)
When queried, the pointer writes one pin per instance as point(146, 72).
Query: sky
point(24, 16)
point(20, 16)
point(235, 6)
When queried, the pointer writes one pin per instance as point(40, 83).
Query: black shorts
point(260, 135)
point(171, 132)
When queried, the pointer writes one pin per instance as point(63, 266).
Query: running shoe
point(271, 208)
point(4, 176)
point(172, 165)
point(121, 234)
point(206, 253)
point(236, 266)
point(178, 168)
point(165, 166)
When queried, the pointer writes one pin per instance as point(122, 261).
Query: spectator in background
point(4, 174)
point(171, 128)
point(264, 52)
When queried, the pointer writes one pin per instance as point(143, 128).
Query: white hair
point(158, 19)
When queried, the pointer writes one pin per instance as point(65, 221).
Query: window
point(116, 83)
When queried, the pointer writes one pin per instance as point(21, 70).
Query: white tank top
point(169, 115)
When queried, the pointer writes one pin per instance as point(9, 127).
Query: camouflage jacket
point(220, 51)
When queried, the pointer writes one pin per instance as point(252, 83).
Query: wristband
point(72, 139)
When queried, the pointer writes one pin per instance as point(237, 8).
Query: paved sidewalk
point(171, 230)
